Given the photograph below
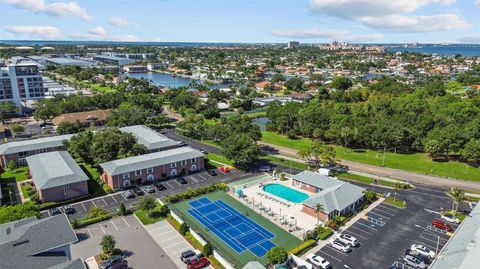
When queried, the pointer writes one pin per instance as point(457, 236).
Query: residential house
point(124, 173)
point(261, 85)
point(40, 244)
point(19, 150)
point(337, 197)
point(57, 176)
point(151, 139)
point(86, 118)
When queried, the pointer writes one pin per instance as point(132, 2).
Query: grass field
point(282, 238)
point(219, 158)
point(285, 162)
point(145, 219)
point(19, 174)
point(415, 162)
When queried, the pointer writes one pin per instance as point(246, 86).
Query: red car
point(440, 224)
point(197, 263)
point(224, 169)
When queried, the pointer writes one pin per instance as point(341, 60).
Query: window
point(194, 160)
point(173, 165)
point(41, 151)
point(298, 184)
point(23, 154)
point(138, 172)
point(22, 162)
point(184, 162)
point(66, 187)
point(126, 175)
point(150, 170)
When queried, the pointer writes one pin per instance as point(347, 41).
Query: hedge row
point(215, 263)
point(194, 193)
point(303, 247)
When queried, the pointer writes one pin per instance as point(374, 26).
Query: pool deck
point(283, 212)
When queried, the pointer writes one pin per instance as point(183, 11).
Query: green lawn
point(25, 188)
point(219, 158)
point(282, 238)
point(415, 162)
point(20, 174)
point(397, 202)
point(256, 114)
point(285, 162)
point(101, 88)
point(145, 219)
point(94, 183)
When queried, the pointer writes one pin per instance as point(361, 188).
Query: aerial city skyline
point(356, 21)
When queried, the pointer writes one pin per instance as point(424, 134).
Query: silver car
point(414, 262)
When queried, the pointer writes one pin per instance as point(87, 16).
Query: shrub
point(75, 224)
point(122, 211)
point(215, 263)
point(324, 234)
point(174, 222)
point(193, 241)
point(107, 188)
point(331, 224)
point(370, 196)
point(96, 212)
point(108, 243)
point(117, 251)
point(11, 165)
point(89, 221)
point(303, 247)
point(183, 229)
point(207, 250)
point(277, 255)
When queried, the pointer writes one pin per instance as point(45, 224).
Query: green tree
point(183, 229)
point(277, 255)
point(17, 128)
point(318, 154)
point(240, 148)
point(7, 109)
point(17, 212)
point(147, 204)
point(341, 83)
point(108, 243)
point(96, 212)
point(457, 196)
point(471, 151)
point(294, 84)
point(122, 210)
point(207, 250)
point(319, 209)
point(11, 165)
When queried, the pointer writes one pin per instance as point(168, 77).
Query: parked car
point(197, 263)
point(319, 261)
point(129, 194)
point(395, 267)
point(265, 169)
point(212, 172)
point(149, 189)
point(114, 263)
point(414, 262)
point(423, 250)
point(160, 187)
point(450, 218)
point(422, 257)
point(224, 169)
point(348, 239)
point(187, 255)
point(68, 209)
point(339, 245)
point(138, 191)
point(182, 180)
point(440, 224)
point(54, 211)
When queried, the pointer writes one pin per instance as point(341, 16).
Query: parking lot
point(173, 186)
point(387, 231)
point(140, 249)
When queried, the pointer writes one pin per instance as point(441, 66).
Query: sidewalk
point(347, 225)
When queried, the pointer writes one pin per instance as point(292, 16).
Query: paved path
point(389, 172)
point(169, 240)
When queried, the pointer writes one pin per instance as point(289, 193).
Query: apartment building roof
point(33, 144)
point(151, 139)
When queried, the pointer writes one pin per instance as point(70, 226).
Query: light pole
point(10, 193)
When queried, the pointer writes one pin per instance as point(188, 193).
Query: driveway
point(140, 249)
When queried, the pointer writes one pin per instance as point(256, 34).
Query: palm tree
point(457, 196)
point(318, 208)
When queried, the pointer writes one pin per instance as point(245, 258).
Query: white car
point(348, 239)
point(423, 250)
point(339, 245)
point(450, 218)
point(414, 262)
point(318, 261)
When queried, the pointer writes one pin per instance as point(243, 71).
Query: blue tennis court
point(234, 228)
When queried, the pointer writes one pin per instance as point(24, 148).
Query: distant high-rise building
point(21, 82)
point(293, 44)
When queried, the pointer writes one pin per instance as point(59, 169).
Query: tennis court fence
point(205, 233)
point(245, 183)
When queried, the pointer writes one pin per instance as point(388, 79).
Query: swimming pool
point(285, 193)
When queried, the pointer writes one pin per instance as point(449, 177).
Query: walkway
point(169, 240)
point(412, 177)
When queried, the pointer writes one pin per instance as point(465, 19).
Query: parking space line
point(355, 235)
point(422, 243)
point(369, 233)
point(114, 226)
point(431, 240)
point(103, 230)
point(385, 212)
point(194, 179)
point(126, 221)
point(387, 207)
point(84, 208)
point(330, 256)
point(93, 202)
point(88, 230)
point(113, 197)
point(339, 252)
point(365, 225)
point(178, 183)
point(378, 215)
point(169, 185)
point(434, 236)
point(203, 177)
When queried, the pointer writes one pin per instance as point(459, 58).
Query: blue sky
point(398, 21)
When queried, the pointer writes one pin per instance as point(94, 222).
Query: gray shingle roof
point(145, 161)
point(33, 144)
point(462, 251)
point(253, 265)
point(26, 243)
point(334, 194)
point(53, 169)
point(149, 138)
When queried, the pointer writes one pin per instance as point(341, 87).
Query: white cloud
point(98, 31)
point(42, 32)
point(119, 22)
point(126, 38)
point(417, 24)
point(312, 33)
point(473, 39)
point(55, 9)
point(391, 16)
point(477, 3)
